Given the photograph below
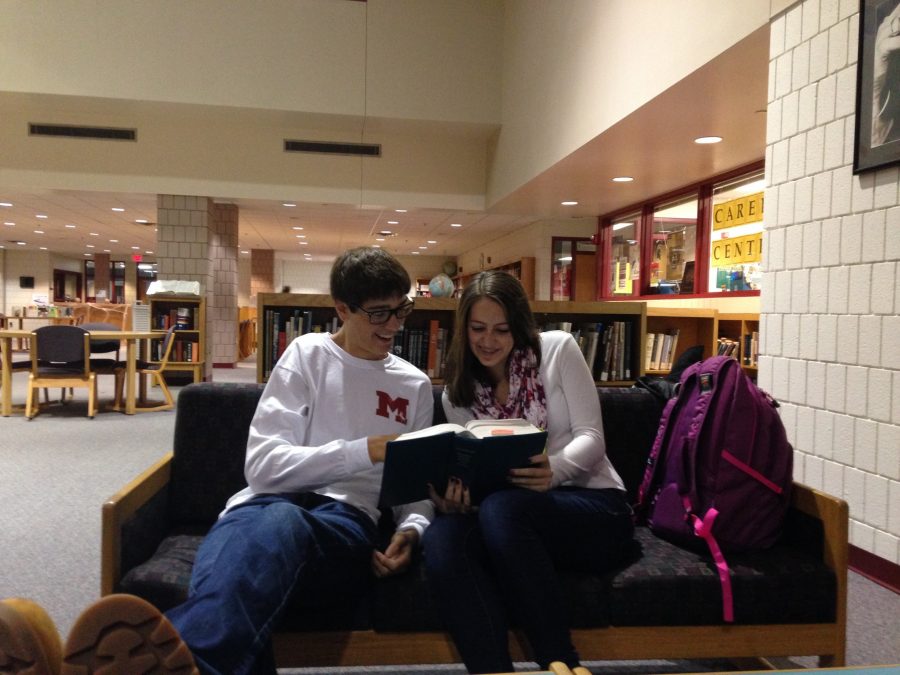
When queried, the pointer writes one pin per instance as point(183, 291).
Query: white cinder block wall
point(830, 298)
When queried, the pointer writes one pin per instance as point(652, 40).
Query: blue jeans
point(254, 560)
point(504, 559)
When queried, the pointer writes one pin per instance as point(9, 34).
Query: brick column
point(262, 272)
point(183, 237)
point(222, 311)
point(101, 274)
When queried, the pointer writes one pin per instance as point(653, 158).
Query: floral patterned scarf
point(526, 393)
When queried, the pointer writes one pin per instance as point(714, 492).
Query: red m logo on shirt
point(388, 405)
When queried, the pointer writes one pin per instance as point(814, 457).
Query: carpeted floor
point(56, 471)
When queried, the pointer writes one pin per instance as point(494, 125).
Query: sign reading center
point(740, 250)
point(741, 211)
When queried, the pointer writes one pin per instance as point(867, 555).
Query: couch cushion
point(211, 427)
point(164, 579)
point(673, 586)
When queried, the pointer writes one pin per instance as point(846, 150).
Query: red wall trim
point(872, 567)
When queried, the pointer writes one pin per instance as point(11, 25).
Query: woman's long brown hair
point(462, 368)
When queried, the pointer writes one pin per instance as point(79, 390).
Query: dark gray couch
point(789, 600)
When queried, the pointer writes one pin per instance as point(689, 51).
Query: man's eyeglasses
point(381, 316)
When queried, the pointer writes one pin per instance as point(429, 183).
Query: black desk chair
point(60, 357)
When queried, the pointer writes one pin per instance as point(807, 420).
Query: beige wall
point(830, 323)
point(572, 70)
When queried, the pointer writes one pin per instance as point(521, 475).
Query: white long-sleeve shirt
point(575, 441)
point(310, 429)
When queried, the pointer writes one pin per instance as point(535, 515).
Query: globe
point(441, 286)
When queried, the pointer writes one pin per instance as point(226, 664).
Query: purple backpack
point(720, 468)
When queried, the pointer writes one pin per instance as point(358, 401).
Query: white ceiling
point(727, 97)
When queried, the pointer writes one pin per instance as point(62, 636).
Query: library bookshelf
point(188, 314)
point(742, 329)
point(733, 334)
point(427, 332)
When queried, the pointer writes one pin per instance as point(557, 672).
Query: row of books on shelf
point(182, 350)
point(660, 350)
point(605, 345)
point(425, 348)
point(748, 353)
point(183, 318)
point(283, 327)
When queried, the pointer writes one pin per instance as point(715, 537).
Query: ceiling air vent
point(331, 148)
point(70, 131)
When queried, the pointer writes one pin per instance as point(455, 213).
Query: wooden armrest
point(835, 516)
point(118, 509)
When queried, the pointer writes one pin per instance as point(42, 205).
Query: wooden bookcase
point(707, 327)
point(744, 329)
point(522, 269)
point(282, 316)
point(693, 327)
point(189, 314)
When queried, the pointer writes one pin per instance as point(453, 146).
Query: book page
point(432, 431)
point(487, 428)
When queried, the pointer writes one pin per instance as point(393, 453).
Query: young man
point(305, 527)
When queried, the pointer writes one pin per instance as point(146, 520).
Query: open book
point(479, 454)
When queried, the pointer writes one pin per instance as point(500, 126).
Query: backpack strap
point(750, 471)
point(655, 462)
point(703, 529)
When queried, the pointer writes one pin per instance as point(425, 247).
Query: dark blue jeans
point(500, 564)
point(254, 560)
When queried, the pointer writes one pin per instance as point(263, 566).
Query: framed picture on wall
point(878, 86)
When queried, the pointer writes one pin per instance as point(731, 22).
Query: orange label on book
point(502, 432)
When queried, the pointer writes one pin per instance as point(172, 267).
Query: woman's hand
point(456, 498)
point(537, 477)
point(397, 555)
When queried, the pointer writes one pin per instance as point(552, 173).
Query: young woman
point(495, 563)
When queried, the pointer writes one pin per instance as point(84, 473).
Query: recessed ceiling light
point(289, 204)
point(423, 248)
point(135, 248)
point(414, 252)
point(95, 234)
point(21, 243)
point(247, 252)
point(432, 241)
point(39, 232)
point(569, 203)
point(9, 223)
point(393, 222)
point(376, 245)
point(142, 221)
point(106, 250)
point(70, 227)
point(399, 210)
point(620, 226)
point(41, 216)
point(304, 243)
point(706, 140)
point(5, 204)
point(118, 209)
point(113, 241)
point(379, 239)
point(149, 252)
point(455, 225)
point(296, 227)
point(622, 179)
point(90, 246)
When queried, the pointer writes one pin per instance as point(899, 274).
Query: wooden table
point(130, 337)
